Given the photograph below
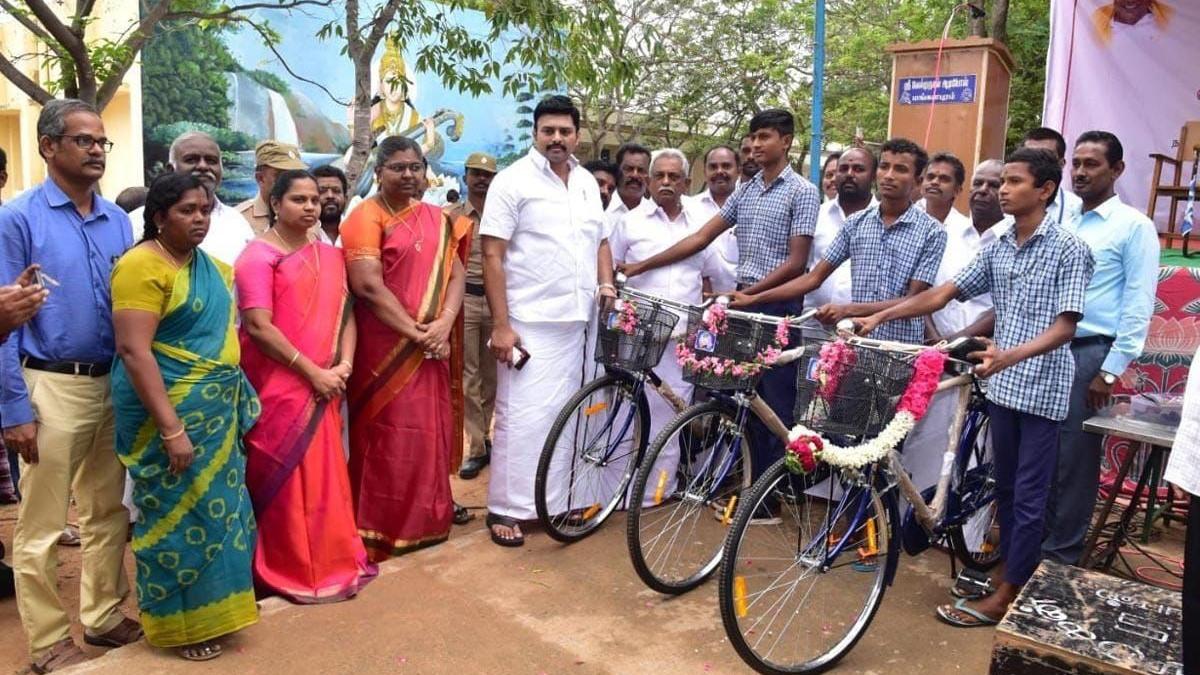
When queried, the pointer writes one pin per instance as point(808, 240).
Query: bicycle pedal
point(971, 582)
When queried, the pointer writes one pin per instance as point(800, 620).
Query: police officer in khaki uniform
point(479, 369)
point(270, 158)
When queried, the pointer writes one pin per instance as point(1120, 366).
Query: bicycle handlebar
point(845, 330)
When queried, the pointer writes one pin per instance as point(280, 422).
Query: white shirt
point(616, 211)
point(1183, 466)
point(962, 243)
point(1065, 199)
point(324, 238)
point(724, 273)
point(228, 232)
point(553, 233)
point(836, 288)
point(647, 231)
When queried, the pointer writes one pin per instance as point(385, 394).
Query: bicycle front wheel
point(590, 455)
point(796, 596)
point(683, 495)
point(976, 536)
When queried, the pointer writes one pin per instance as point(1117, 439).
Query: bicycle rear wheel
point(975, 537)
point(795, 597)
point(590, 455)
point(691, 475)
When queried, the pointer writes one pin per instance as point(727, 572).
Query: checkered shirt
point(883, 260)
point(1031, 285)
point(767, 217)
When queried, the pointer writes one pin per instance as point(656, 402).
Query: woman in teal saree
point(182, 405)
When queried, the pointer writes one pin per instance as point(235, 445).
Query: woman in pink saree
point(298, 339)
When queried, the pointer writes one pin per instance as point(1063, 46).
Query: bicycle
point(579, 483)
point(699, 465)
point(839, 525)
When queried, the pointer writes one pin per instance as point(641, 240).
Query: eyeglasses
point(86, 142)
point(415, 167)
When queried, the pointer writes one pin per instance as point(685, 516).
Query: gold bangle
point(177, 434)
point(294, 357)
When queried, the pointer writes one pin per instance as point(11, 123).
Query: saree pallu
point(194, 539)
point(308, 547)
point(402, 413)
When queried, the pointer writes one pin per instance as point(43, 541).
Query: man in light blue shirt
point(1111, 334)
point(54, 389)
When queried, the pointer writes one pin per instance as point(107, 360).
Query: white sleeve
point(502, 209)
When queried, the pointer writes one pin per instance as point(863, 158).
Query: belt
point(475, 289)
point(68, 367)
point(1089, 340)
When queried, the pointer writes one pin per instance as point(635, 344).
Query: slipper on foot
point(494, 519)
point(975, 618)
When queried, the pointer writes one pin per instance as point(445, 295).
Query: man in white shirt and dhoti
point(543, 232)
point(646, 231)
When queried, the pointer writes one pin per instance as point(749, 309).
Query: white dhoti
point(527, 402)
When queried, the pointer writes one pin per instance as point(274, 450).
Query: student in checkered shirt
point(775, 213)
point(1037, 273)
point(894, 249)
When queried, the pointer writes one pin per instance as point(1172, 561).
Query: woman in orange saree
point(405, 264)
point(298, 338)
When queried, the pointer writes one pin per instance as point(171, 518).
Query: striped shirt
point(1031, 285)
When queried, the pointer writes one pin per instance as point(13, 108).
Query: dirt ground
point(468, 606)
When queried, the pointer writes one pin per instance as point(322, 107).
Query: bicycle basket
point(861, 402)
point(739, 345)
point(631, 335)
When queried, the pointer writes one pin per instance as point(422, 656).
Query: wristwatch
point(1108, 378)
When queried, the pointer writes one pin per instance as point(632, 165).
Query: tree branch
point(26, 85)
point(283, 62)
point(83, 9)
point(379, 27)
point(231, 12)
point(150, 18)
point(81, 61)
point(33, 27)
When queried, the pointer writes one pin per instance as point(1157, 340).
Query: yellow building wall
point(122, 117)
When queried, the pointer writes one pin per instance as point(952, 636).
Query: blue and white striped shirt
point(883, 260)
point(1031, 285)
point(767, 217)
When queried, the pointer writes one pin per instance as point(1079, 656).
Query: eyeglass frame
point(105, 144)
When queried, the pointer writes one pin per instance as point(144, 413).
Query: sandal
point(461, 515)
point(124, 633)
point(62, 654)
point(517, 539)
point(201, 651)
point(69, 536)
point(966, 617)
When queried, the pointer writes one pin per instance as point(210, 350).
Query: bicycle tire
point(735, 603)
point(566, 527)
point(682, 555)
point(976, 486)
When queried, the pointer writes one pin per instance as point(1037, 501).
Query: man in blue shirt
point(775, 213)
point(54, 388)
point(894, 250)
point(1037, 274)
point(1110, 336)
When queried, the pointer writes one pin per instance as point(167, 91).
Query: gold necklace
point(174, 259)
point(417, 237)
point(291, 249)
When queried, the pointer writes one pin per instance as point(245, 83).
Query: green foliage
point(229, 140)
point(183, 78)
point(858, 69)
point(269, 80)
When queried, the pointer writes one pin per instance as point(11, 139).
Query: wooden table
point(1159, 438)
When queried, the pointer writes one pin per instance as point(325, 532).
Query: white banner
point(1140, 81)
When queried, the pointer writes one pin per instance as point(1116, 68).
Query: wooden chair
point(1177, 189)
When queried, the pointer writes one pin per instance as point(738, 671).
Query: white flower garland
point(858, 456)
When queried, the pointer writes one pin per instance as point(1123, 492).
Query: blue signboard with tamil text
point(949, 89)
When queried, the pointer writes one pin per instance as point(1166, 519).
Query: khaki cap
point(482, 161)
point(278, 155)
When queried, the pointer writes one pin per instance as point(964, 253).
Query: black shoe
point(461, 515)
point(473, 465)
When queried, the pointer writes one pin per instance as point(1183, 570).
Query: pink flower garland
point(837, 358)
point(627, 318)
point(715, 321)
point(805, 447)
